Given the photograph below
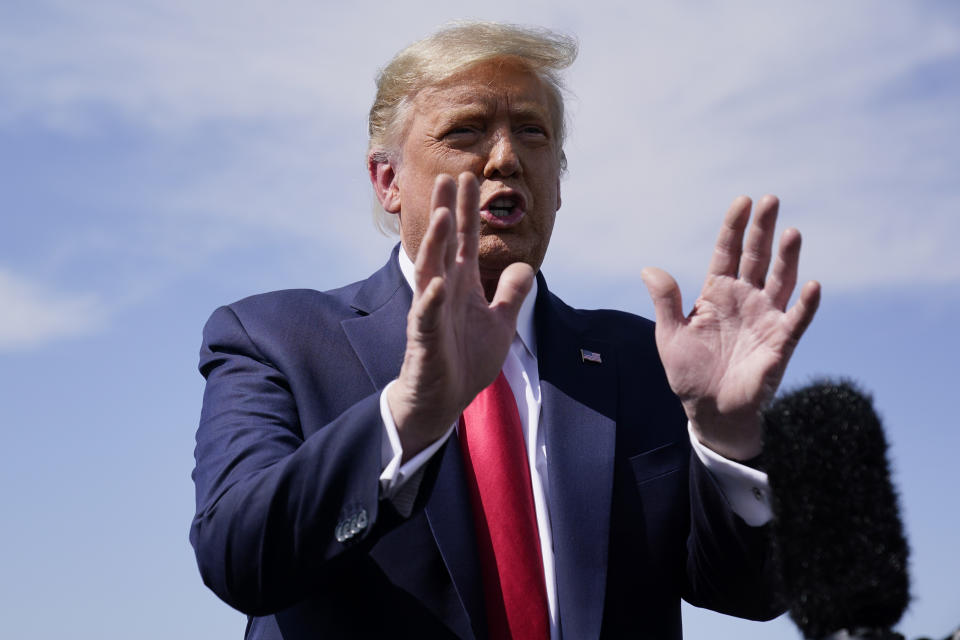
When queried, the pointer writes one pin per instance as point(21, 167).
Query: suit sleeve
point(274, 509)
point(729, 565)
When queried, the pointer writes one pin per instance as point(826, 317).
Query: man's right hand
point(456, 339)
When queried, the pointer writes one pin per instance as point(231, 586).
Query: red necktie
point(495, 457)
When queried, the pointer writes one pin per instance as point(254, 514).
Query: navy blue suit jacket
point(288, 448)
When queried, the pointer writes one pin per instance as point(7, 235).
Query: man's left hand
point(726, 359)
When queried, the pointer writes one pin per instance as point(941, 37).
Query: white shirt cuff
point(400, 483)
point(746, 489)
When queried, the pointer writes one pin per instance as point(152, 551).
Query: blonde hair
point(449, 50)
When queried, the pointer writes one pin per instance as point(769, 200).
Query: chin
point(496, 262)
point(496, 255)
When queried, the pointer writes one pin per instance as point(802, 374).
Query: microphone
point(837, 536)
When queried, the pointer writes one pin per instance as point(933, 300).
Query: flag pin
point(590, 356)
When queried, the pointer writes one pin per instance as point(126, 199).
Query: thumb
point(513, 287)
point(665, 293)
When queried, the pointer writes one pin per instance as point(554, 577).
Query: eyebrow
point(531, 110)
point(524, 110)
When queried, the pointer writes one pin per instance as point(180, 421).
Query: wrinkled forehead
point(486, 86)
point(465, 101)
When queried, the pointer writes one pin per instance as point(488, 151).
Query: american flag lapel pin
point(590, 356)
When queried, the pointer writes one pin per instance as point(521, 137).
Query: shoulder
point(296, 303)
point(608, 325)
point(282, 311)
point(309, 309)
point(618, 324)
point(290, 330)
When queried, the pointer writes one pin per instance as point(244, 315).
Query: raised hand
point(456, 339)
point(726, 359)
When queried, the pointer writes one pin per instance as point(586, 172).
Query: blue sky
point(158, 159)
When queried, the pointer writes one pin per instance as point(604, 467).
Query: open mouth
point(503, 210)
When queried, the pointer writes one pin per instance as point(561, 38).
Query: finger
point(512, 289)
point(429, 306)
point(431, 256)
point(726, 252)
point(444, 195)
point(667, 301)
point(783, 275)
point(757, 248)
point(468, 217)
point(801, 314)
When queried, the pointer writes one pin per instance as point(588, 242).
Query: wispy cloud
point(175, 65)
point(252, 117)
point(32, 314)
point(814, 105)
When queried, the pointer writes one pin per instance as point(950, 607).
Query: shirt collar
point(525, 329)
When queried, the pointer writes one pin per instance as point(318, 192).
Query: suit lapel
point(448, 512)
point(378, 336)
point(579, 402)
point(432, 555)
point(378, 333)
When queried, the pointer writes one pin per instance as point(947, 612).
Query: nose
point(502, 159)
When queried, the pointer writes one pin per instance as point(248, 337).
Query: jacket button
point(351, 525)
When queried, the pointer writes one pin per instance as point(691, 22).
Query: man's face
point(492, 120)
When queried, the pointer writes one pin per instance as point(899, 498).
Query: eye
point(461, 131)
point(533, 130)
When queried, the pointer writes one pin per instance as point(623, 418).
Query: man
point(341, 490)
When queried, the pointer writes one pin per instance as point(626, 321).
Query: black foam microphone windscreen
point(837, 535)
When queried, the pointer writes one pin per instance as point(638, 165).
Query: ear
point(383, 177)
point(558, 194)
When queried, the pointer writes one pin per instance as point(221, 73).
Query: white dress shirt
point(745, 488)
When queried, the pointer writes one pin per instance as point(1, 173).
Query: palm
point(463, 346)
point(719, 354)
point(726, 359)
point(456, 339)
